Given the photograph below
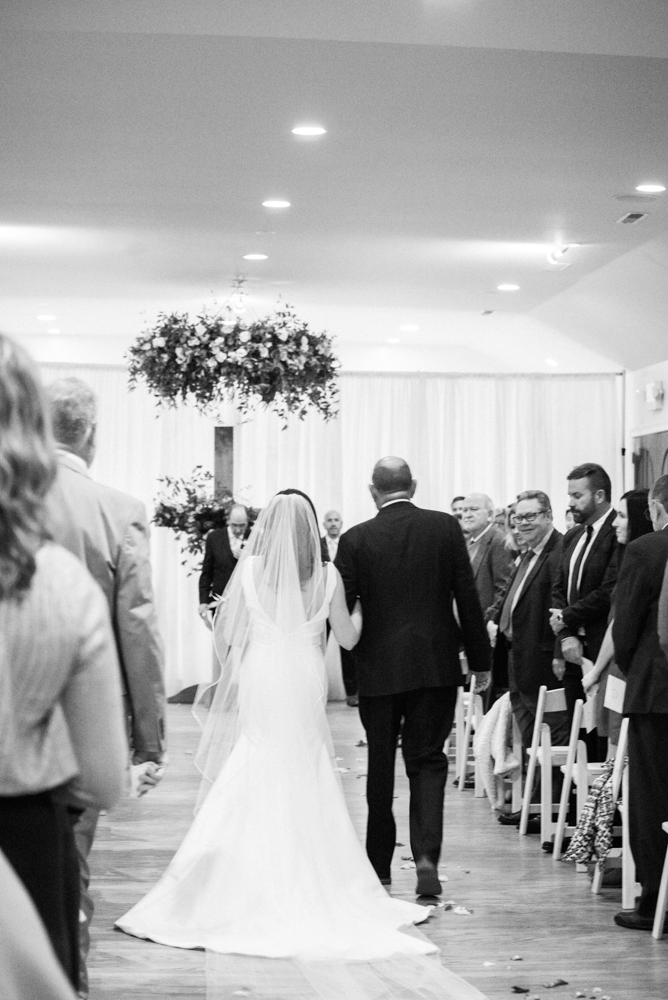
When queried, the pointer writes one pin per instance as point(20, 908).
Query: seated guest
point(221, 551)
point(519, 622)
point(62, 738)
point(642, 661)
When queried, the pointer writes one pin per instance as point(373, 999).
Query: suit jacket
point(492, 566)
point(108, 531)
point(533, 639)
point(218, 565)
point(634, 631)
point(406, 566)
point(599, 576)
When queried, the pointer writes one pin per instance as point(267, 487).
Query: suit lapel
point(476, 562)
point(533, 572)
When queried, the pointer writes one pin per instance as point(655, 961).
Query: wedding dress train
point(271, 878)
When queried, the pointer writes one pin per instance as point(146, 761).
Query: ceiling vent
point(638, 196)
point(631, 218)
point(487, 312)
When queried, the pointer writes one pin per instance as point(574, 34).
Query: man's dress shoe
point(635, 921)
point(428, 883)
point(353, 701)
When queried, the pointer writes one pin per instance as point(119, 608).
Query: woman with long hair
point(271, 879)
point(632, 521)
point(62, 741)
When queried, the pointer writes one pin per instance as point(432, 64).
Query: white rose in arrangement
point(244, 336)
point(193, 342)
point(264, 353)
point(304, 344)
point(283, 335)
point(158, 341)
point(211, 362)
point(241, 353)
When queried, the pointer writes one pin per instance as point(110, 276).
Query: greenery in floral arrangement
point(277, 361)
point(191, 508)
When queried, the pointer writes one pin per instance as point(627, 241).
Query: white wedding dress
point(271, 878)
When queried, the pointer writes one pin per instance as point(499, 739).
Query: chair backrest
point(555, 701)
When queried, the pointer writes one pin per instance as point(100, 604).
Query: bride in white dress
point(271, 878)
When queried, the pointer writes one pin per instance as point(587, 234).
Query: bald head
point(391, 480)
point(237, 520)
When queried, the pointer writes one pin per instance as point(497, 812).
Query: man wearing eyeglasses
point(583, 584)
point(519, 621)
point(641, 659)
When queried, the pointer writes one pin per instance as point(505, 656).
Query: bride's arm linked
point(346, 629)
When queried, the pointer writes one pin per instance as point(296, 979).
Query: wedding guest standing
point(221, 553)
point(407, 566)
point(332, 523)
point(62, 744)
point(583, 583)
point(639, 656)
point(108, 531)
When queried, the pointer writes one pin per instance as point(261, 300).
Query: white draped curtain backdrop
point(496, 434)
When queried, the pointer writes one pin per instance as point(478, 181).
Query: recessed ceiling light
point(650, 188)
point(309, 130)
point(409, 328)
point(46, 318)
point(508, 288)
point(275, 203)
point(53, 329)
point(393, 340)
point(552, 362)
point(255, 256)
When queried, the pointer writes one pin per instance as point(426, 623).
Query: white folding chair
point(575, 769)
point(621, 856)
point(662, 901)
point(547, 756)
point(469, 706)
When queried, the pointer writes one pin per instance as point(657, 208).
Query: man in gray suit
point(108, 531)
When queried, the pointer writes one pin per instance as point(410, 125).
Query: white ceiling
point(465, 138)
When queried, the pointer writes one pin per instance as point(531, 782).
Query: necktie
point(505, 625)
point(574, 589)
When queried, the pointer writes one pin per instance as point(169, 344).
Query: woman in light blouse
point(62, 741)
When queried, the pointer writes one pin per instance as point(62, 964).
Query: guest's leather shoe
point(428, 883)
point(353, 701)
point(385, 881)
point(510, 819)
point(636, 921)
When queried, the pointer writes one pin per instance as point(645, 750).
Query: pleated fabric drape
point(495, 434)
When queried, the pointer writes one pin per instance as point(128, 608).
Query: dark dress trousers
point(218, 565)
point(407, 566)
point(591, 611)
point(639, 656)
point(528, 659)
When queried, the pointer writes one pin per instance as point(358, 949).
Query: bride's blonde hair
point(27, 467)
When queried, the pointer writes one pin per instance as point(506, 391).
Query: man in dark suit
point(583, 583)
point(221, 552)
point(639, 656)
point(407, 566)
point(520, 625)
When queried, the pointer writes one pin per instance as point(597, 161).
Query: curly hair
point(27, 467)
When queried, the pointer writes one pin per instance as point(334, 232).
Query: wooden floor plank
point(523, 904)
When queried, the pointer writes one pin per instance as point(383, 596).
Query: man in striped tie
point(519, 621)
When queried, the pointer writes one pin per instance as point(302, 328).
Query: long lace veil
point(277, 587)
